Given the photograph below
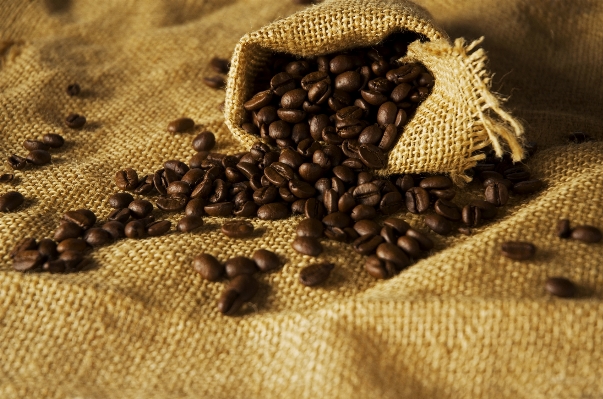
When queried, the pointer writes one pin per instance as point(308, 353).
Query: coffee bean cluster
point(221, 66)
point(584, 233)
point(38, 151)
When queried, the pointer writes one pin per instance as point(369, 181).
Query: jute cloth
point(463, 323)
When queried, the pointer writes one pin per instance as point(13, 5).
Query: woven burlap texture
point(460, 117)
point(140, 323)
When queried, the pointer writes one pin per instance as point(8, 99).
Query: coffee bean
point(471, 215)
point(488, 210)
point(140, 208)
point(97, 237)
point(75, 121)
point(404, 74)
point(121, 215)
point(447, 209)
point(171, 204)
point(399, 225)
point(120, 200)
point(189, 223)
point(439, 224)
point(417, 200)
point(73, 89)
point(53, 140)
point(178, 188)
point(126, 179)
point(25, 244)
point(310, 228)
point(55, 266)
point(195, 207)
point(17, 162)
point(315, 274)
point(266, 260)
point(518, 250)
point(586, 233)
point(10, 201)
point(391, 253)
point(497, 194)
point(563, 229)
point(73, 244)
point(561, 287)
point(364, 227)
point(447, 194)
point(197, 160)
point(208, 267)
point(259, 101)
point(337, 219)
point(158, 228)
point(307, 245)
point(28, 260)
point(237, 229)
point(82, 217)
point(367, 244)
point(528, 186)
point(220, 65)
point(410, 246)
point(349, 81)
point(219, 209)
point(72, 259)
point(67, 230)
point(115, 229)
point(379, 269)
point(386, 115)
point(391, 203)
point(389, 138)
point(240, 265)
point(180, 168)
point(579, 137)
point(425, 242)
point(310, 172)
point(388, 234)
point(240, 290)
point(400, 92)
point(372, 156)
point(215, 82)
point(181, 125)
point(6, 177)
point(361, 212)
point(135, 229)
point(367, 194)
point(436, 183)
point(32, 145)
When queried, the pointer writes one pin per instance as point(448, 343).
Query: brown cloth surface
point(464, 322)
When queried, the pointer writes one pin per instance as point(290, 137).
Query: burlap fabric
point(463, 323)
point(458, 119)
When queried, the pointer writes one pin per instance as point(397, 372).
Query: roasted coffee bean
point(140, 208)
point(135, 229)
point(381, 85)
point(436, 183)
point(197, 160)
point(293, 99)
point(367, 244)
point(240, 265)
point(158, 228)
point(586, 233)
point(281, 83)
point(391, 203)
point(301, 189)
point(349, 81)
point(298, 69)
point(72, 259)
point(259, 100)
point(346, 202)
point(181, 125)
point(372, 156)
point(400, 92)
point(97, 237)
point(195, 207)
point(518, 250)
point(379, 269)
point(28, 260)
point(10, 201)
point(121, 215)
point(373, 97)
point(73, 89)
point(561, 287)
point(439, 224)
point(219, 209)
point(337, 219)
point(342, 63)
point(171, 204)
point(447, 194)
point(73, 244)
point(120, 200)
point(178, 167)
point(147, 220)
point(279, 129)
point(367, 194)
point(528, 186)
point(364, 227)
point(388, 140)
point(405, 183)
point(310, 172)
point(404, 74)
point(298, 207)
point(189, 223)
point(370, 135)
point(388, 234)
point(193, 177)
point(399, 225)
point(563, 229)
point(126, 179)
point(279, 174)
point(471, 215)
point(425, 242)
point(266, 260)
point(25, 244)
point(315, 274)
point(488, 209)
point(32, 145)
point(330, 201)
point(579, 137)
point(362, 212)
point(310, 228)
point(240, 290)
point(215, 82)
point(265, 195)
point(237, 229)
point(6, 177)
point(291, 158)
point(410, 246)
point(447, 209)
point(67, 230)
point(497, 194)
point(204, 141)
point(82, 217)
point(17, 162)
point(55, 266)
point(307, 245)
point(115, 228)
point(53, 140)
point(313, 78)
point(178, 188)
point(273, 211)
point(208, 267)
point(75, 121)
point(417, 200)
point(220, 65)
point(391, 253)
point(386, 115)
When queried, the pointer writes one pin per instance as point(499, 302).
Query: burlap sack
point(449, 130)
point(462, 323)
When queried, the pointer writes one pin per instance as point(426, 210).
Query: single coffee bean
point(425, 242)
point(28, 260)
point(386, 115)
point(310, 172)
point(404, 74)
point(237, 229)
point(281, 83)
point(25, 244)
point(528, 186)
point(367, 244)
point(367, 194)
point(447, 209)
point(488, 209)
point(54, 266)
point(497, 194)
point(115, 229)
point(563, 229)
point(417, 200)
point(120, 215)
point(53, 140)
point(346, 202)
point(67, 230)
point(215, 82)
point(220, 65)
point(518, 250)
point(436, 183)
point(158, 228)
point(73, 260)
point(373, 97)
point(195, 207)
point(84, 218)
point(349, 81)
point(10, 201)
point(266, 260)
point(240, 265)
point(32, 145)
point(259, 100)
point(135, 229)
point(400, 92)
point(391, 203)
point(6, 177)
point(447, 194)
point(362, 212)
point(388, 234)
point(307, 246)
point(75, 121)
point(189, 223)
point(372, 156)
point(561, 287)
point(410, 246)
point(399, 225)
point(140, 208)
point(337, 219)
point(390, 136)
point(73, 89)
point(208, 267)
point(298, 207)
point(73, 244)
point(181, 125)
point(586, 233)
point(471, 215)
point(364, 227)
point(178, 188)
point(97, 237)
point(180, 168)
point(219, 209)
point(240, 290)
point(315, 274)
point(120, 200)
point(439, 224)
point(126, 179)
point(379, 269)
point(17, 162)
point(171, 204)
point(370, 135)
point(310, 228)
point(390, 252)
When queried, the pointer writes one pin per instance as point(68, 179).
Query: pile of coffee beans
point(38, 151)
